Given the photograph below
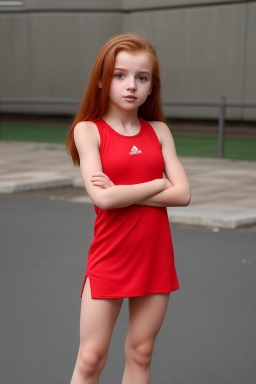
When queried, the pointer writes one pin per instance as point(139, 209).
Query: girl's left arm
point(178, 193)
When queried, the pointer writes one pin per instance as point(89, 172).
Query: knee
point(140, 354)
point(90, 362)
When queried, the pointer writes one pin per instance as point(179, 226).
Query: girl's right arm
point(117, 196)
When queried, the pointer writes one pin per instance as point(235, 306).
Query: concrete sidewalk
point(223, 191)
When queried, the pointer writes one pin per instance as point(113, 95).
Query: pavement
point(208, 335)
point(223, 190)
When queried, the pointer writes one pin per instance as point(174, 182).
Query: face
point(131, 82)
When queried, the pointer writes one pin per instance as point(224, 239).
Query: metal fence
point(222, 104)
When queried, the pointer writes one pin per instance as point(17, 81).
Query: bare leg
point(146, 317)
point(98, 317)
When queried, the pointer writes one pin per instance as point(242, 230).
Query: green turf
point(240, 149)
point(37, 133)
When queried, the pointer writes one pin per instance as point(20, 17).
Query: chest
point(131, 160)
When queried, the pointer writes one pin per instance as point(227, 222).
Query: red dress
point(131, 253)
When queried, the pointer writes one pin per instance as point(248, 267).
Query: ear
point(100, 84)
point(150, 91)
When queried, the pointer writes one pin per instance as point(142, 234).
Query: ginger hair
point(94, 104)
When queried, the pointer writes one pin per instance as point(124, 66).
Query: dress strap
point(152, 132)
point(101, 130)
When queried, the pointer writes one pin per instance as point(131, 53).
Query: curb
point(213, 217)
point(200, 215)
point(78, 182)
point(10, 186)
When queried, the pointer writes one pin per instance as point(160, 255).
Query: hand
point(101, 180)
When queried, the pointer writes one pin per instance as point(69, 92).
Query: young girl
point(131, 172)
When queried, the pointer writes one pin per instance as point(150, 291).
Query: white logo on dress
point(135, 151)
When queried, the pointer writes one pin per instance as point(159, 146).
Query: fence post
point(221, 127)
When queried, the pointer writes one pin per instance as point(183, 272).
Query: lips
point(130, 97)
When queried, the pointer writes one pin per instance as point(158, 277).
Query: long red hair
point(94, 104)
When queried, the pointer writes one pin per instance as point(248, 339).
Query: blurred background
point(207, 56)
point(206, 51)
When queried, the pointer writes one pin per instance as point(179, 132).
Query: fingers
point(101, 179)
point(99, 174)
point(101, 183)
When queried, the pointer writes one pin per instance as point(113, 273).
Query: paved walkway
point(223, 191)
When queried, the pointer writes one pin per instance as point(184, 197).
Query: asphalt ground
point(208, 336)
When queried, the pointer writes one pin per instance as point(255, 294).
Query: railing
point(222, 104)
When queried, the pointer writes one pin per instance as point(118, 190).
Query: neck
point(124, 119)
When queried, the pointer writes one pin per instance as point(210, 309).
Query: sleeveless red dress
point(131, 253)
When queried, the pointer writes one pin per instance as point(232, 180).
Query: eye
point(142, 78)
point(119, 75)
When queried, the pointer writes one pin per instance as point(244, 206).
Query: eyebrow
point(123, 69)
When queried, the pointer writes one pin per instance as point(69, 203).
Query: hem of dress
point(86, 275)
point(127, 295)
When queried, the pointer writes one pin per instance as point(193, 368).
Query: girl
point(131, 172)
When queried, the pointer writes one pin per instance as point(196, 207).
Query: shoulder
point(85, 127)
point(162, 131)
point(86, 131)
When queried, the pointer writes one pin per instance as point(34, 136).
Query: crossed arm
point(172, 190)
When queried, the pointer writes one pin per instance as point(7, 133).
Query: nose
point(131, 85)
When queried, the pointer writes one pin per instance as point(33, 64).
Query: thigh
point(146, 316)
point(97, 320)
